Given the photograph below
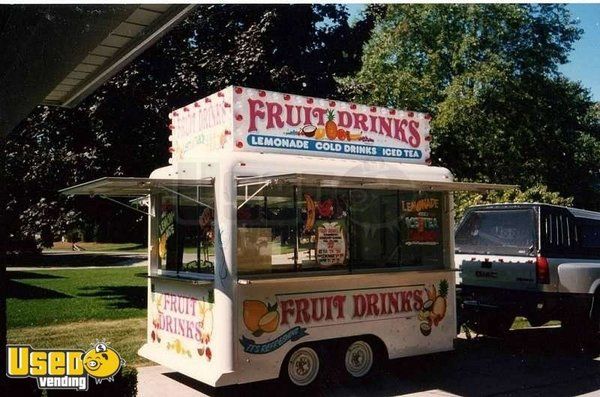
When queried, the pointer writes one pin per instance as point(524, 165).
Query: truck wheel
point(584, 327)
point(303, 366)
point(596, 313)
point(492, 325)
point(594, 319)
point(359, 358)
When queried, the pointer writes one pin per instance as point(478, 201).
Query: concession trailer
point(290, 234)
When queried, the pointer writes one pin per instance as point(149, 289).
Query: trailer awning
point(370, 183)
point(131, 187)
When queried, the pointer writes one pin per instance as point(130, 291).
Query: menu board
point(331, 243)
point(422, 219)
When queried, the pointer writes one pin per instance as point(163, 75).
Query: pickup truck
point(538, 261)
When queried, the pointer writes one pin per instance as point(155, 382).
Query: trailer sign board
point(245, 119)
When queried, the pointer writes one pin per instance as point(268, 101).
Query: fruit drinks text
point(177, 315)
point(350, 307)
point(279, 116)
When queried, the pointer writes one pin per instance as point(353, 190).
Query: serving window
point(266, 231)
point(184, 231)
point(285, 228)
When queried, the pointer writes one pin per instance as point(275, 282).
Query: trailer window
point(283, 229)
point(422, 226)
point(323, 229)
point(395, 229)
point(375, 228)
point(185, 230)
point(266, 232)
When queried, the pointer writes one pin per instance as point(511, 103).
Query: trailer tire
point(359, 358)
point(302, 366)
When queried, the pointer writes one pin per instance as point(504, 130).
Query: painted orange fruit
point(253, 312)
point(269, 322)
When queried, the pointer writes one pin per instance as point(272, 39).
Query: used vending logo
point(63, 368)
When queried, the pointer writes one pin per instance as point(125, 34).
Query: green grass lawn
point(521, 322)
point(49, 297)
point(71, 308)
point(125, 336)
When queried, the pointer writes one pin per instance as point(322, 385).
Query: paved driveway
point(528, 362)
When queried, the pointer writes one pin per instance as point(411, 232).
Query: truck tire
point(584, 327)
point(595, 314)
point(492, 324)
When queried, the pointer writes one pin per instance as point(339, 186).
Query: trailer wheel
point(359, 358)
point(303, 366)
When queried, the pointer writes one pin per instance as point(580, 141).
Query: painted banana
point(431, 293)
point(310, 213)
point(162, 246)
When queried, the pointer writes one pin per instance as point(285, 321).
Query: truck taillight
point(542, 270)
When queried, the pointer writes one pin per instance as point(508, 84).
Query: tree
point(122, 128)
point(489, 76)
point(536, 194)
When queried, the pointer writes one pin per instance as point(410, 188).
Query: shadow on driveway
point(541, 361)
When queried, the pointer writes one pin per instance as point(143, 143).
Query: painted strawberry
point(325, 208)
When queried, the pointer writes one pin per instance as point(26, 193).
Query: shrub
point(536, 194)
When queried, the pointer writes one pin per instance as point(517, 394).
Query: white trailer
point(291, 233)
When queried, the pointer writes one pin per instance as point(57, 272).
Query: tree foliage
point(535, 194)
point(122, 128)
point(489, 76)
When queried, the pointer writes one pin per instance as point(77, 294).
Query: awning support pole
point(125, 205)
point(248, 198)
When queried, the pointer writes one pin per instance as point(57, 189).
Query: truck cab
point(538, 261)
